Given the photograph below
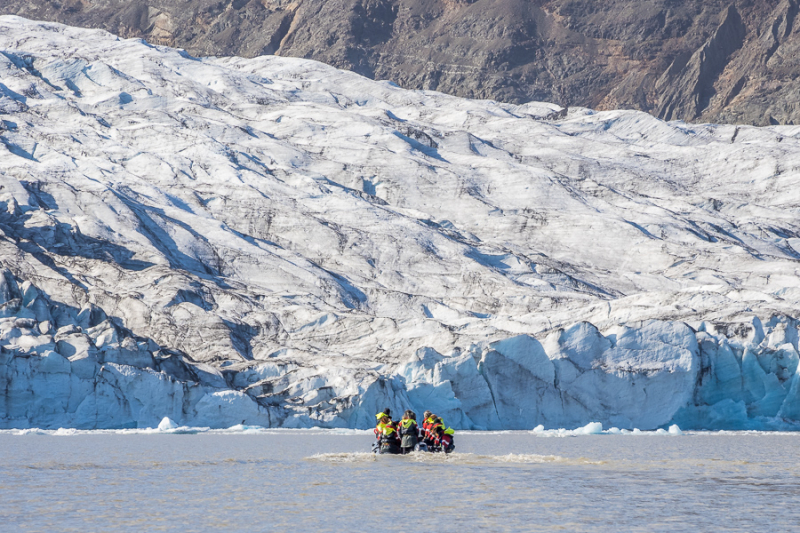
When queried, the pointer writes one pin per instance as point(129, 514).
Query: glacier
point(273, 242)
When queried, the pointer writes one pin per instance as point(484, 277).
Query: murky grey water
point(313, 481)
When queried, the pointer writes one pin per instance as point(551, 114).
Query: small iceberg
point(592, 428)
point(167, 424)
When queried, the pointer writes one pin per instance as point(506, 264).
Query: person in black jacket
point(409, 433)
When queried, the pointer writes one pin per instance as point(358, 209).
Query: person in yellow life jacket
point(390, 439)
point(409, 434)
point(385, 414)
point(382, 419)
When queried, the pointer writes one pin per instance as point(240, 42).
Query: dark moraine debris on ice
point(278, 242)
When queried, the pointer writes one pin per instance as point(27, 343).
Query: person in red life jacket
point(409, 434)
point(434, 428)
point(446, 441)
point(427, 423)
point(442, 436)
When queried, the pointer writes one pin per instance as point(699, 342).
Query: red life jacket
point(427, 426)
point(437, 430)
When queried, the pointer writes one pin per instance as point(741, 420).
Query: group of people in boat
point(406, 435)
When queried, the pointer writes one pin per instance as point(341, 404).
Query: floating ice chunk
point(242, 428)
point(592, 428)
point(675, 430)
point(167, 424)
point(662, 431)
point(538, 429)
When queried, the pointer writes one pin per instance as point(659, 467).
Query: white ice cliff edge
point(276, 242)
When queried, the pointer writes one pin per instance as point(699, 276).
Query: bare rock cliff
point(698, 60)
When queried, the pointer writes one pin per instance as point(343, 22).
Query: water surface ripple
point(325, 481)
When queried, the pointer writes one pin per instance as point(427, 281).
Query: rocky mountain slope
point(277, 241)
point(723, 61)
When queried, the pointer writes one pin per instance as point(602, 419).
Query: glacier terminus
point(275, 242)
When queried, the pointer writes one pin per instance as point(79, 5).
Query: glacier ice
point(167, 424)
point(272, 242)
point(656, 375)
point(592, 428)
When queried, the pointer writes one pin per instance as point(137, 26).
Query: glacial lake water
point(327, 481)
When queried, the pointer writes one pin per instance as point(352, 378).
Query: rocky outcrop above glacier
point(686, 91)
point(276, 241)
point(668, 57)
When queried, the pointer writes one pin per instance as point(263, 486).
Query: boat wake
point(452, 458)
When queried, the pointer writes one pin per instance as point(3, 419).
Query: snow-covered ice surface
point(273, 242)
